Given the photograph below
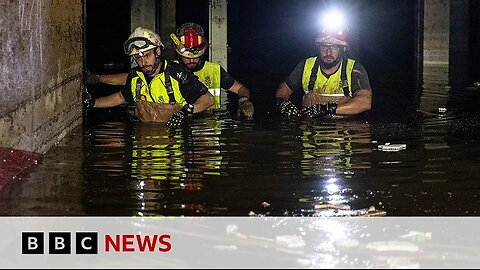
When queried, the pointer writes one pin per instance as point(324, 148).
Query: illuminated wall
point(41, 43)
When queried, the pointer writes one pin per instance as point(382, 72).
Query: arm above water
point(361, 102)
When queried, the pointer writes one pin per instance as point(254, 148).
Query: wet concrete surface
point(224, 166)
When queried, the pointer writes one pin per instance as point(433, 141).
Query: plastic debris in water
point(265, 204)
point(332, 206)
point(291, 241)
point(392, 147)
point(226, 247)
point(392, 246)
point(418, 237)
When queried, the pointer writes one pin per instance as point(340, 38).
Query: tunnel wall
point(436, 42)
point(41, 44)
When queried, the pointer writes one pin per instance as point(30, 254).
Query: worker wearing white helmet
point(156, 86)
point(331, 83)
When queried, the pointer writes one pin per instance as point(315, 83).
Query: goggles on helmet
point(138, 43)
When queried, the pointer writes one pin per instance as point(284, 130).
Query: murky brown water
point(225, 166)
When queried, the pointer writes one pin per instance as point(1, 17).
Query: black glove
point(320, 110)
point(287, 108)
point(179, 118)
point(88, 101)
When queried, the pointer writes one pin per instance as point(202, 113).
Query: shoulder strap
point(138, 88)
point(168, 85)
point(343, 78)
point(313, 74)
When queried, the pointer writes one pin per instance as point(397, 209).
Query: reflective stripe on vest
point(209, 75)
point(327, 86)
point(157, 91)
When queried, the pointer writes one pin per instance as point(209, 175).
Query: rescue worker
point(156, 81)
point(331, 83)
point(190, 44)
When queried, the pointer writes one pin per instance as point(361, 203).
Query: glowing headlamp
point(333, 21)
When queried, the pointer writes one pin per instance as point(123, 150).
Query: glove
point(88, 101)
point(320, 110)
point(180, 117)
point(245, 107)
point(287, 108)
point(91, 78)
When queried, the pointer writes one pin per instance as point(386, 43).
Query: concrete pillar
point(167, 25)
point(218, 27)
point(218, 32)
point(158, 15)
point(436, 43)
point(143, 14)
point(41, 72)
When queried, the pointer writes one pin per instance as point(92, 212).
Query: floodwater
point(224, 166)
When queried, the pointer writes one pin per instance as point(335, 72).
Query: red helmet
point(192, 37)
point(337, 37)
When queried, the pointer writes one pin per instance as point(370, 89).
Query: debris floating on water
point(392, 147)
point(265, 204)
point(291, 241)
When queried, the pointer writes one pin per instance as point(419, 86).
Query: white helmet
point(142, 40)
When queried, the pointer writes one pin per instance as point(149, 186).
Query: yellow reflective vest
point(330, 86)
point(157, 90)
point(209, 75)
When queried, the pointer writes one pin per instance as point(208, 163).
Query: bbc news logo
point(59, 243)
point(87, 243)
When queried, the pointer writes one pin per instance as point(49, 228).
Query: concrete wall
point(436, 42)
point(41, 44)
point(142, 13)
point(167, 25)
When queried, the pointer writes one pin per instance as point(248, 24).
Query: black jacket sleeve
point(190, 87)
point(126, 89)
point(226, 81)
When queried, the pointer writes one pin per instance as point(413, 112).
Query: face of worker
point(148, 62)
point(191, 63)
point(329, 54)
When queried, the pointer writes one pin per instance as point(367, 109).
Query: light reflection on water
point(226, 166)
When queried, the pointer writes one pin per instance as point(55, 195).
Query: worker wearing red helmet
point(190, 44)
point(331, 83)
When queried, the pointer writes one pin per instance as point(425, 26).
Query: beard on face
point(192, 65)
point(148, 70)
point(329, 64)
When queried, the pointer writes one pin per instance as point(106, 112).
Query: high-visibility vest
point(209, 75)
point(158, 89)
point(331, 86)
